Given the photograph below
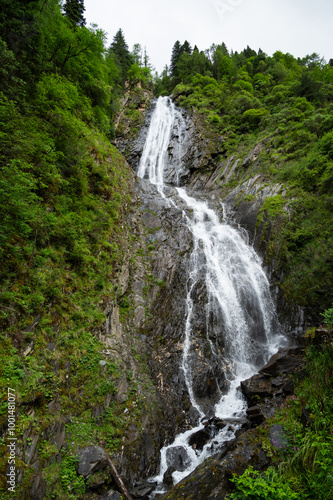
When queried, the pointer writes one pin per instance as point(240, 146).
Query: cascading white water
point(238, 292)
point(155, 154)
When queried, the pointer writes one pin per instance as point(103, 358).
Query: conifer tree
point(74, 10)
point(176, 53)
point(121, 54)
point(186, 47)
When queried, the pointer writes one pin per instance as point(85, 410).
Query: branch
point(69, 55)
point(118, 479)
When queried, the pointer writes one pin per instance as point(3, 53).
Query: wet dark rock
point(211, 480)
point(288, 388)
point(178, 458)
point(142, 490)
point(218, 423)
point(257, 388)
point(167, 477)
point(204, 382)
point(306, 417)
point(254, 414)
point(284, 361)
point(200, 438)
point(111, 495)
point(277, 437)
point(91, 459)
point(277, 382)
point(244, 427)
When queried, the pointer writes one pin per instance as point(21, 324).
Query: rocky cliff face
point(171, 242)
point(247, 197)
point(144, 328)
point(211, 174)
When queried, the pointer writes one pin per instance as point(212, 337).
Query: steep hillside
point(72, 247)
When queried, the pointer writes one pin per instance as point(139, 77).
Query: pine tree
point(74, 10)
point(137, 54)
point(186, 47)
point(121, 54)
point(176, 53)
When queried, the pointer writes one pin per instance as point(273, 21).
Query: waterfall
point(238, 304)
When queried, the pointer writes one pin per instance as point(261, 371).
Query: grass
point(304, 469)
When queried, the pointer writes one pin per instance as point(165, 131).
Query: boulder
point(254, 415)
point(288, 388)
point(142, 490)
point(167, 477)
point(284, 361)
point(277, 437)
point(217, 423)
point(91, 459)
point(199, 439)
point(256, 388)
point(277, 382)
point(178, 458)
point(111, 495)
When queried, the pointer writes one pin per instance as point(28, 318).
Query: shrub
point(254, 116)
point(328, 317)
point(241, 84)
point(266, 486)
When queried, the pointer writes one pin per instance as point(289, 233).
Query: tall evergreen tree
point(176, 53)
point(123, 57)
point(74, 10)
point(248, 52)
point(186, 47)
point(137, 54)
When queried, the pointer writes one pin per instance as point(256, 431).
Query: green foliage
point(177, 51)
point(254, 116)
point(304, 469)
point(64, 192)
point(286, 104)
point(310, 88)
point(72, 483)
point(255, 486)
point(19, 205)
point(328, 317)
point(74, 10)
point(273, 206)
point(242, 85)
point(122, 56)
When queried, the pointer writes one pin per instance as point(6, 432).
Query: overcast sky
point(299, 27)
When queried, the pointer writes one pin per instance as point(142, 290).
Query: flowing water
point(239, 305)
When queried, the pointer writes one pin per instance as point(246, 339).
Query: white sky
point(299, 27)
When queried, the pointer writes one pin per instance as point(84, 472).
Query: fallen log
point(119, 482)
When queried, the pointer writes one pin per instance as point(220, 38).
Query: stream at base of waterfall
point(238, 303)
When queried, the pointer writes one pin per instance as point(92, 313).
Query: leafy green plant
point(328, 317)
point(72, 483)
point(253, 485)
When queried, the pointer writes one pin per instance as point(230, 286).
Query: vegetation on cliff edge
point(285, 105)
